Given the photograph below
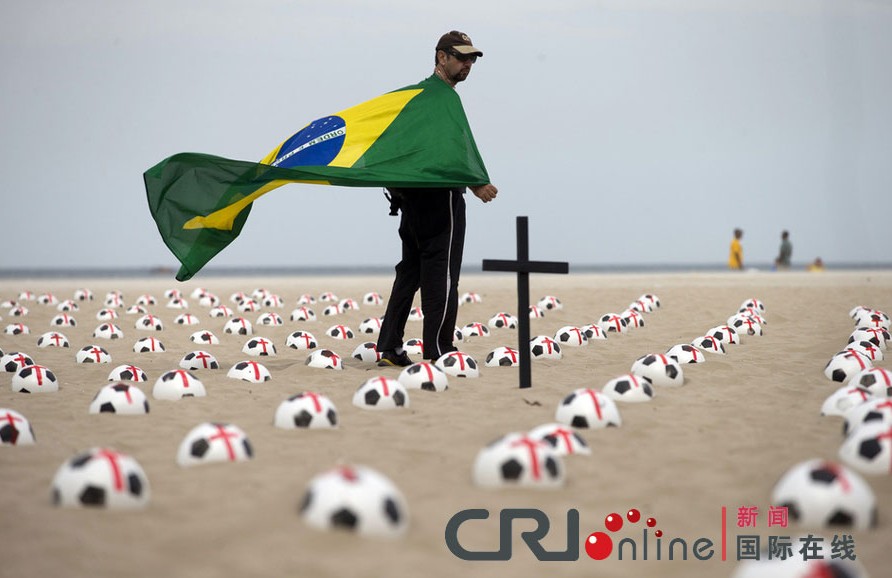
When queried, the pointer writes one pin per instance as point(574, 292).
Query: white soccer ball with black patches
point(564, 440)
point(381, 393)
point(325, 359)
point(107, 314)
point(471, 297)
point(220, 311)
point(120, 398)
point(303, 314)
point(571, 336)
point(846, 364)
point(370, 326)
point(270, 319)
point(101, 478)
point(629, 388)
point(868, 449)
point(332, 310)
point(588, 408)
point(238, 326)
point(273, 300)
point(328, 297)
point(214, 442)
point(15, 429)
point(306, 299)
point(517, 460)
point(413, 346)
point(128, 373)
point(458, 364)
point(686, 353)
point(301, 340)
point(879, 337)
point(68, 305)
point(340, 332)
point(47, 299)
point(873, 411)
point(745, 325)
point(536, 312)
point(348, 305)
point(550, 303)
point(178, 384)
point(544, 347)
point(753, 303)
point(14, 361)
point(843, 399)
point(425, 376)
point(34, 379)
point(502, 357)
point(199, 360)
point(146, 300)
point(825, 494)
point(868, 349)
point(873, 318)
point(52, 339)
point(186, 319)
point(204, 337)
point(355, 499)
point(307, 410)
point(612, 323)
point(474, 329)
point(177, 303)
point(650, 298)
point(726, 334)
point(372, 298)
point(17, 329)
point(367, 352)
point(709, 344)
point(249, 371)
point(259, 347)
point(18, 311)
point(83, 295)
point(208, 300)
point(92, 354)
point(136, 310)
point(148, 345)
point(593, 332)
point(876, 380)
point(634, 319)
point(108, 331)
point(114, 299)
point(659, 369)
point(149, 322)
point(503, 320)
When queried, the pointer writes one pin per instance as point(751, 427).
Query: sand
point(722, 440)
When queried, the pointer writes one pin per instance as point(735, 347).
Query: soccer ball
point(414, 346)
point(52, 339)
point(83, 295)
point(34, 379)
point(47, 299)
point(178, 384)
point(106, 315)
point(171, 293)
point(823, 494)
point(458, 364)
point(471, 297)
point(146, 300)
point(571, 336)
point(844, 399)
point(149, 323)
point(866, 348)
point(879, 336)
point(630, 388)
point(328, 297)
point(612, 323)
point(120, 398)
point(325, 359)
point(177, 303)
point(101, 478)
point(17, 329)
point(273, 300)
point(425, 376)
point(745, 324)
point(348, 305)
point(685, 353)
point(593, 331)
point(114, 299)
point(214, 442)
point(306, 299)
point(652, 299)
point(518, 460)
point(92, 354)
point(68, 305)
point(270, 319)
point(502, 357)
point(633, 318)
point(846, 364)
point(370, 326)
point(15, 429)
point(238, 326)
point(135, 310)
point(367, 352)
point(332, 310)
point(372, 298)
point(588, 408)
point(205, 337)
point(19, 311)
point(710, 344)
point(876, 380)
point(549, 303)
point(474, 330)
point(127, 373)
point(208, 300)
point(503, 321)
point(562, 439)
point(873, 318)
point(544, 347)
point(726, 334)
point(220, 311)
point(249, 371)
point(381, 393)
point(659, 369)
point(641, 306)
point(259, 347)
point(340, 332)
point(14, 361)
point(753, 303)
point(301, 340)
point(355, 499)
point(306, 410)
point(199, 360)
point(536, 312)
point(868, 448)
point(186, 319)
point(148, 345)
point(871, 411)
point(108, 331)
point(303, 314)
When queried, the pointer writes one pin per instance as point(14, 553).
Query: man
point(735, 258)
point(432, 230)
point(786, 252)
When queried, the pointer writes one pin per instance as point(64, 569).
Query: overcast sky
point(629, 131)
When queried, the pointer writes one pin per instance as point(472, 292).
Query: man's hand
point(485, 193)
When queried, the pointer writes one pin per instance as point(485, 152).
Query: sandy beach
point(720, 441)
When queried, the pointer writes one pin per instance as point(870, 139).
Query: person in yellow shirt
point(735, 259)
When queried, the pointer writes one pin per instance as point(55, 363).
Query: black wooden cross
point(523, 267)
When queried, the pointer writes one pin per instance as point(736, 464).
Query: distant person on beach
point(817, 265)
point(786, 252)
point(735, 258)
point(432, 230)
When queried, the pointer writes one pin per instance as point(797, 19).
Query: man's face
point(457, 66)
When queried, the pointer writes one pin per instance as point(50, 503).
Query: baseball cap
point(458, 41)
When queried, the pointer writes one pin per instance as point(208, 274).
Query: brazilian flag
point(417, 136)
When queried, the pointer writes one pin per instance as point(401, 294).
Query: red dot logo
point(613, 522)
point(633, 516)
point(598, 545)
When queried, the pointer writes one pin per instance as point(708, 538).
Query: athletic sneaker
point(394, 359)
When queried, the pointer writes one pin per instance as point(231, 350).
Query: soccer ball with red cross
point(214, 442)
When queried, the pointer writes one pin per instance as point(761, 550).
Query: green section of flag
point(201, 202)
